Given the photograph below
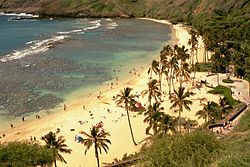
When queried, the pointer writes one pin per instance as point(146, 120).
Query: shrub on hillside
point(197, 149)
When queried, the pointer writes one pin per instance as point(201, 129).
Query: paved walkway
point(240, 90)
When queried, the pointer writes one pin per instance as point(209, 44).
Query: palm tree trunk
point(196, 54)
point(55, 163)
point(160, 78)
point(149, 98)
point(170, 79)
point(129, 123)
point(218, 82)
point(179, 120)
point(173, 83)
point(96, 155)
point(181, 81)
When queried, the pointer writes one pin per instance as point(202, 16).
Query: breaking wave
point(35, 47)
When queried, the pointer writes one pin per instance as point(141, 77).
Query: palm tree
point(209, 111)
point(152, 91)
point(174, 67)
point(180, 100)
point(182, 55)
point(168, 123)
point(153, 117)
point(189, 124)
point(58, 145)
point(166, 52)
point(183, 72)
point(193, 42)
point(98, 138)
point(224, 107)
point(153, 68)
point(125, 97)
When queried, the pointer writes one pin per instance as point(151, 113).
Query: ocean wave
point(112, 25)
point(18, 14)
point(70, 32)
point(34, 48)
point(109, 20)
point(95, 22)
point(93, 27)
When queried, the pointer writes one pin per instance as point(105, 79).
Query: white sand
point(114, 123)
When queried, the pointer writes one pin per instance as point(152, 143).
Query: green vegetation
point(199, 148)
point(19, 154)
point(237, 152)
point(203, 67)
point(227, 81)
point(226, 92)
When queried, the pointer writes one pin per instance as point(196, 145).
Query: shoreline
point(114, 122)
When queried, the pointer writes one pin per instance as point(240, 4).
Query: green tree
point(174, 66)
point(183, 71)
point(127, 98)
point(153, 116)
point(180, 100)
point(209, 111)
point(153, 68)
point(98, 138)
point(153, 91)
point(23, 153)
point(193, 42)
point(167, 123)
point(165, 53)
point(58, 145)
point(224, 107)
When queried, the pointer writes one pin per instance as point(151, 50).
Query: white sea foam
point(19, 14)
point(95, 22)
point(109, 20)
point(112, 25)
point(69, 32)
point(34, 48)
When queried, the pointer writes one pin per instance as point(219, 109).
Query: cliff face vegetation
point(177, 9)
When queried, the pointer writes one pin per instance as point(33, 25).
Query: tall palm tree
point(182, 55)
point(180, 100)
point(125, 97)
point(58, 145)
point(153, 91)
point(193, 42)
point(166, 52)
point(98, 138)
point(183, 72)
point(209, 111)
point(153, 117)
point(174, 67)
point(153, 68)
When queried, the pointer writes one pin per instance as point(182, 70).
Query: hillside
point(167, 9)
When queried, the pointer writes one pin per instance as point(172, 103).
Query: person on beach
point(64, 107)
point(23, 119)
point(11, 125)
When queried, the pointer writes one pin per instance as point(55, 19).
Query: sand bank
point(114, 120)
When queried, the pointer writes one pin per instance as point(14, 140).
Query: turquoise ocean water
point(48, 59)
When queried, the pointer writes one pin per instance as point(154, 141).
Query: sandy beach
point(82, 112)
